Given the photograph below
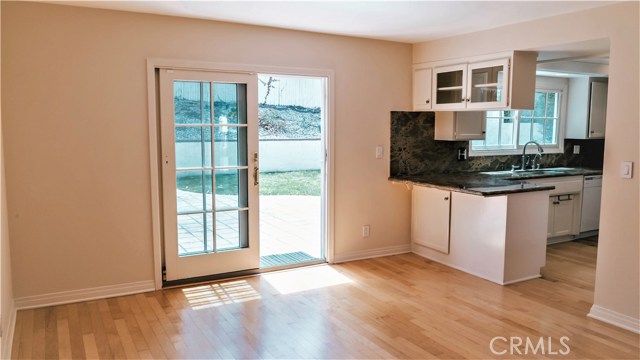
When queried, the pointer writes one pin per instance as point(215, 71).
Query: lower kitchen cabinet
point(430, 215)
point(561, 215)
point(498, 238)
point(565, 202)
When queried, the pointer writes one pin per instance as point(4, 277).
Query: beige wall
point(77, 150)
point(618, 252)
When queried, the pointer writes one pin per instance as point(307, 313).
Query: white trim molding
point(7, 334)
point(372, 253)
point(615, 318)
point(72, 296)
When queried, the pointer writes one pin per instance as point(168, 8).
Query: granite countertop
point(492, 183)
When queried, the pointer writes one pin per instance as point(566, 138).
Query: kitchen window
point(508, 130)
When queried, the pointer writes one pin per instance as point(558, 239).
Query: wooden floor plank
point(22, 341)
point(75, 332)
point(38, 341)
point(127, 342)
point(400, 306)
point(90, 348)
point(154, 346)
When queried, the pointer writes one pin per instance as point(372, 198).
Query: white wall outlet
point(576, 149)
point(365, 230)
point(626, 169)
point(379, 152)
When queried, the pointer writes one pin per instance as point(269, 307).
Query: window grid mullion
point(500, 122)
point(544, 121)
point(516, 125)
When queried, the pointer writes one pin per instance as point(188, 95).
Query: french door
point(209, 141)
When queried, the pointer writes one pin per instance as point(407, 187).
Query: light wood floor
point(393, 307)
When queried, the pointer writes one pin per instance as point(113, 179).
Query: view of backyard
point(302, 182)
point(290, 163)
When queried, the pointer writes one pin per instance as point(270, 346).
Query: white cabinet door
point(430, 215)
point(449, 87)
point(598, 110)
point(552, 217)
point(422, 88)
point(460, 125)
point(591, 201)
point(586, 108)
point(562, 215)
point(470, 125)
point(487, 84)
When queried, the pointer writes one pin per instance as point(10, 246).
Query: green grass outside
point(290, 183)
point(271, 183)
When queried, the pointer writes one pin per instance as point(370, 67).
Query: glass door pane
point(230, 166)
point(488, 84)
point(449, 87)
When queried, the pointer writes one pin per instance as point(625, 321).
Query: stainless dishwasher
point(590, 217)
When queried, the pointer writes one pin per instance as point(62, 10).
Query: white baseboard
point(531, 277)
point(66, 297)
point(420, 251)
point(7, 336)
point(373, 253)
point(615, 318)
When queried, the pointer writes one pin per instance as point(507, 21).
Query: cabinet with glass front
point(471, 86)
point(500, 81)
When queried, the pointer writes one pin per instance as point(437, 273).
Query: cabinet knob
point(446, 198)
point(592, 131)
point(427, 101)
point(468, 99)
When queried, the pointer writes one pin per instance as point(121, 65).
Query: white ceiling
point(403, 21)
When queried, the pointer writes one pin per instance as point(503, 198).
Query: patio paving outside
point(288, 224)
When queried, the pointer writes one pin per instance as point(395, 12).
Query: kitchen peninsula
point(493, 230)
point(470, 215)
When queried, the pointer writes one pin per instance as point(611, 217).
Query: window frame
point(547, 84)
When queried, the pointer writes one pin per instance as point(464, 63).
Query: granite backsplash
point(414, 151)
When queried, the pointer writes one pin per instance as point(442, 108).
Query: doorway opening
point(292, 143)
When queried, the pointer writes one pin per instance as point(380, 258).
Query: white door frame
point(154, 142)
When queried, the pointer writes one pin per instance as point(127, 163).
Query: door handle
point(256, 181)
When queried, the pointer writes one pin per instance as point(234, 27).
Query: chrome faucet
point(523, 165)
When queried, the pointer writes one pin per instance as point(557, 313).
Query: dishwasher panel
point(590, 216)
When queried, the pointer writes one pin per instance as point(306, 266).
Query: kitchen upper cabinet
point(487, 83)
point(471, 86)
point(422, 87)
point(598, 109)
point(430, 217)
point(449, 87)
point(587, 108)
point(463, 125)
point(500, 81)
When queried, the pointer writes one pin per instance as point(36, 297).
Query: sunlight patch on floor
point(309, 278)
point(218, 294)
